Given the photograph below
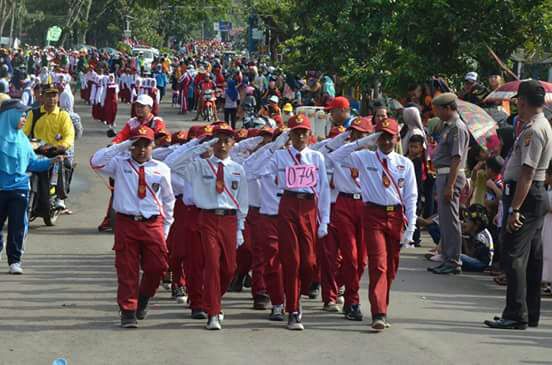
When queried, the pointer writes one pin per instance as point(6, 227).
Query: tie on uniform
point(141, 183)
point(385, 178)
point(354, 173)
point(298, 157)
point(220, 178)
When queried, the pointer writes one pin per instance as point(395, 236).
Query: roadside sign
point(53, 34)
point(225, 26)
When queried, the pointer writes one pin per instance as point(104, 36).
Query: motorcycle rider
point(53, 127)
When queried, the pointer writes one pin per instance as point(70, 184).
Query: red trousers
point(297, 236)
point(109, 112)
point(218, 239)
point(347, 218)
point(138, 245)
point(190, 248)
point(97, 112)
point(383, 236)
point(266, 237)
point(175, 241)
point(255, 232)
point(328, 262)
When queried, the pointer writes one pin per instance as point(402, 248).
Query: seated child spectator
point(477, 248)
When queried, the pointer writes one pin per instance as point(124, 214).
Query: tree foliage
point(399, 42)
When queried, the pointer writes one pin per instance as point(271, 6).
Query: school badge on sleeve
point(235, 185)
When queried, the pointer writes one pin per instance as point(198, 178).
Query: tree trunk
point(86, 16)
point(5, 13)
point(73, 13)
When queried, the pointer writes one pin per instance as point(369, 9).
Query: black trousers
point(230, 116)
point(521, 257)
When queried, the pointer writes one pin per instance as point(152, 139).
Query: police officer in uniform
point(524, 210)
point(450, 161)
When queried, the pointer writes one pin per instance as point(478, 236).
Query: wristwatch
point(512, 210)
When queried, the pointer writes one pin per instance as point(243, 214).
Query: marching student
point(388, 189)
point(143, 200)
point(219, 189)
point(265, 236)
point(346, 223)
point(304, 206)
point(187, 252)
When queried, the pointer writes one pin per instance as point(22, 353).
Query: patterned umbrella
point(480, 124)
point(509, 89)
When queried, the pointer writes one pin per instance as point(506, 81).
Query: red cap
point(299, 121)
point(252, 132)
point(266, 130)
point(180, 137)
point(362, 124)
point(205, 131)
point(388, 125)
point(143, 132)
point(194, 131)
point(335, 131)
point(223, 128)
point(241, 134)
point(339, 102)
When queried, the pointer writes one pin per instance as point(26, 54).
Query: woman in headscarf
point(16, 159)
point(231, 101)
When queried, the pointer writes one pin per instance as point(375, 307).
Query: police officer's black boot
point(142, 310)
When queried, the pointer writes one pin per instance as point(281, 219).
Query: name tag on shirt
point(301, 176)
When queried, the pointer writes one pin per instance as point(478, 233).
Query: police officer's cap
point(445, 99)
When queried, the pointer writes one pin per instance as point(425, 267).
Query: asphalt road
point(64, 306)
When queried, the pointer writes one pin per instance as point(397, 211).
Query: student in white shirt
point(389, 192)
point(304, 209)
point(144, 201)
point(219, 188)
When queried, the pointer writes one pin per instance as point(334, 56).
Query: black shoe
point(506, 324)
point(142, 310)
point(236, 285)
point(277, 313)
point(346, 309)
point(448, 269)
point(261, 301)
point(354, 313)
point(128, 319)
point(199, 314)
point(433, 268)
point(314, 290)
point(111, 133)
point(379, 323)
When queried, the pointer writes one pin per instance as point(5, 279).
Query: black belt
point(387, 208)
point(354, 196)
point(270, 215)
point(139, 218)
point(298, 195)
point(220, 212)
point(254, 209)
point(178, 197)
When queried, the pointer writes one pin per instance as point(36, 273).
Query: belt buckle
point(301, 196)
point(389, 208)
point(219, 211)
point(356, 196)
point(137, 218)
